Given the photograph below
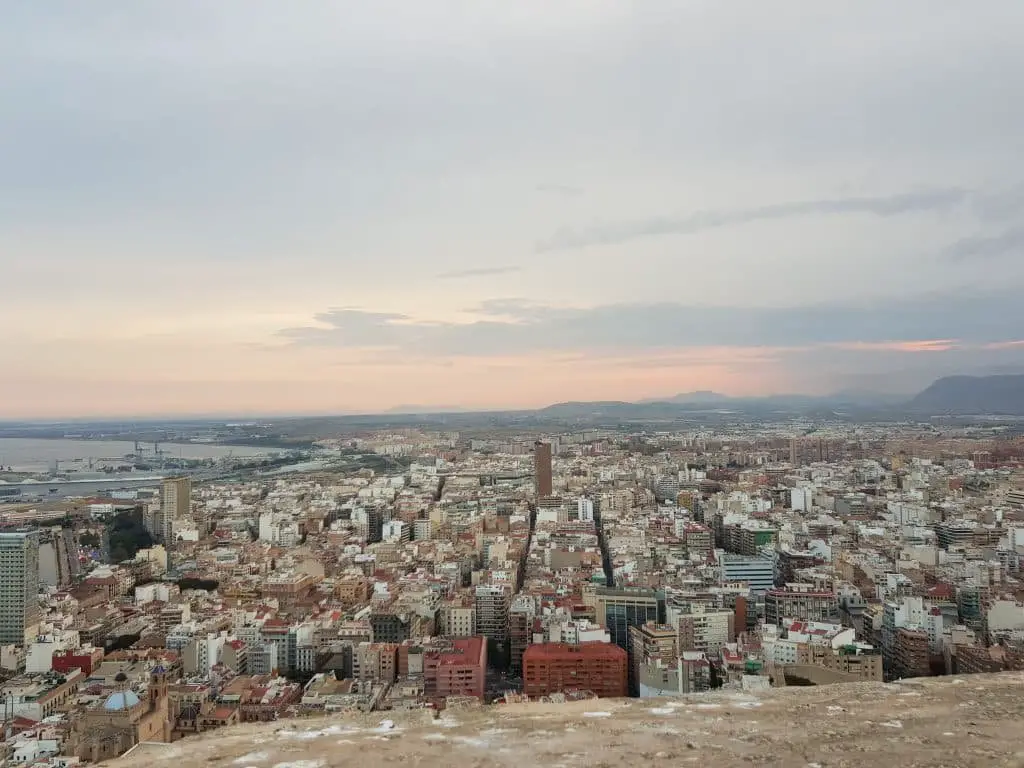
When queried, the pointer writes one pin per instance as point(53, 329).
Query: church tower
point(157, 686)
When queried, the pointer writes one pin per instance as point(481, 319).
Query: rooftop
point(462, 651)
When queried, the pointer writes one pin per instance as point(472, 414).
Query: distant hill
point(418, 409)
point(702, 397)
point(967, 395)
point(585, 408)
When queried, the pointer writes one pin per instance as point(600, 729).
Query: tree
point(127, 536)
point(209, 585)
point(716, 677)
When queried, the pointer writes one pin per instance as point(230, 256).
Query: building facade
point(492, 611)
point(19, 587)
point(542, 469)
point(798, 602)
point(459, 669)
point(618, 610)
point(707, 631)
point(175, 505)
point(550, 668)
point(757, 572)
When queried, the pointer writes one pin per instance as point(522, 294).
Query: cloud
point(355, 327)
point(987, 246)
point(564, 190)
point(517, 326)
point(999, 205)
point(508, 269)
point(1019, 344)
point(309, 161)
point(702, 221)
point(924, 345)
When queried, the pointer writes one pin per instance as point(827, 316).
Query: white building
point(585, 509)
point(396, 531)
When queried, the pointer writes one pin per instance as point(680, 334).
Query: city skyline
point(363, 206)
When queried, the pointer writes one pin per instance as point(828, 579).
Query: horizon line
point(421, 410)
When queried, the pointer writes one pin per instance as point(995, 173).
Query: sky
point(256, 207)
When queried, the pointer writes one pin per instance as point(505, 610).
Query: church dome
point(121, 700)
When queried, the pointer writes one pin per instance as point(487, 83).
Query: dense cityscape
point(467, 384)
point(486, 568)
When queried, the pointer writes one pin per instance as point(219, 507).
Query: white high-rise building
point(585, 509)
point(19, 587)
point(396, 530)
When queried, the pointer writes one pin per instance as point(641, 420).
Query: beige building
point(706, 630)
point(864, 664)
point(458, 621)
point(175, 503)
point(652, 644)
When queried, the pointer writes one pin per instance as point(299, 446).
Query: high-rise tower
point(19, 587)
point(175, 504)
point(542, 469)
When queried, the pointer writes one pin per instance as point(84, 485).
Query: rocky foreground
point(962, 721)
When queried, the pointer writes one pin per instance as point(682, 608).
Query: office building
point(757, 572)
point(618, 610)
point(19, 587)
point(542, 469)
point(550, 668)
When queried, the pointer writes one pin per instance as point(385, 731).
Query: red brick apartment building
point(556, 667)
point(458, 670)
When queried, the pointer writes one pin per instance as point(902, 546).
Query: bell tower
point(157, 685)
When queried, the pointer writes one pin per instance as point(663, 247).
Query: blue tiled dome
point(121, 700)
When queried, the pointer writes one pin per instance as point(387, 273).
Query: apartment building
point(558, 667)
point(706, 630)
point(800, 601)
point(457, 669)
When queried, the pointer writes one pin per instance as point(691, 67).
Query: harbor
point(43, 470)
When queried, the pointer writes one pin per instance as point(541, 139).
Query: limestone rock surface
point(971, 720)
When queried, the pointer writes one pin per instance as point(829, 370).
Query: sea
point(35, 455)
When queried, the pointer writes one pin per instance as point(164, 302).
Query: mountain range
point(952, 395)
point(973, 395)
point(716, 399)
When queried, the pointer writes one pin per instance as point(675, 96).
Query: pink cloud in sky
point(924, 345)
